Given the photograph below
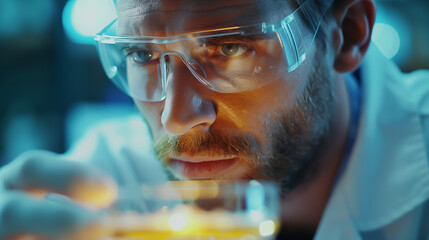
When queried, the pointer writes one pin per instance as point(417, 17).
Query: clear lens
point(132, 70)
point(227, 60)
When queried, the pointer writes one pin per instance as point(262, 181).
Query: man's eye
point(143, 56)
point(233, 50)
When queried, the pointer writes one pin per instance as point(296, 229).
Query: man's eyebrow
point(243, 38)
point(127, 46)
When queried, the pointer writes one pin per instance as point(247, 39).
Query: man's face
point(271, 133)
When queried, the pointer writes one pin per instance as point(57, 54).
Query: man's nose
point(186, 104)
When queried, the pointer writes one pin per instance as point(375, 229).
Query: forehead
point(170, 17)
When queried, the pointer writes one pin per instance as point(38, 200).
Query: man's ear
point(352, 34)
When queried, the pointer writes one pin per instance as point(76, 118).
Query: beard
point(295, 136)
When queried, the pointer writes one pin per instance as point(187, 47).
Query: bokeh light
point(387, 39)
point(83, 19)
point(267, 228)
point(177, 222)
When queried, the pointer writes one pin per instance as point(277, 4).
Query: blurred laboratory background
point(52, 87)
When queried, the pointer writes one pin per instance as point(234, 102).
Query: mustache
point(207, 143)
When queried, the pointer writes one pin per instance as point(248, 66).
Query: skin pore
point(294, 129)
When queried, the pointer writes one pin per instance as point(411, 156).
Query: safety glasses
point(227, 60)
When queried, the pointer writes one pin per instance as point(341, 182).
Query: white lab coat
point(384, 190)
point(385, 185)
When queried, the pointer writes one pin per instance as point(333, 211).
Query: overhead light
point(83, 19)
point(387, 39)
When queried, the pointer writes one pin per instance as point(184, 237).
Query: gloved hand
point(45, 197)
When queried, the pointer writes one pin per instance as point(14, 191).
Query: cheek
point(253, 112)
point(256, 111)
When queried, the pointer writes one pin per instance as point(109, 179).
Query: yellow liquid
point(209, 234)
point(190, 223)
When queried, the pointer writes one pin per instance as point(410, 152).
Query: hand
point(47, 197)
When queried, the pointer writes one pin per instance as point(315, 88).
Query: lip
point(202, 169)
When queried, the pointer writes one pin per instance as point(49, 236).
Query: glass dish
point(223, 210)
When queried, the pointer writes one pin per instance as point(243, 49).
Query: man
point(239, 90)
